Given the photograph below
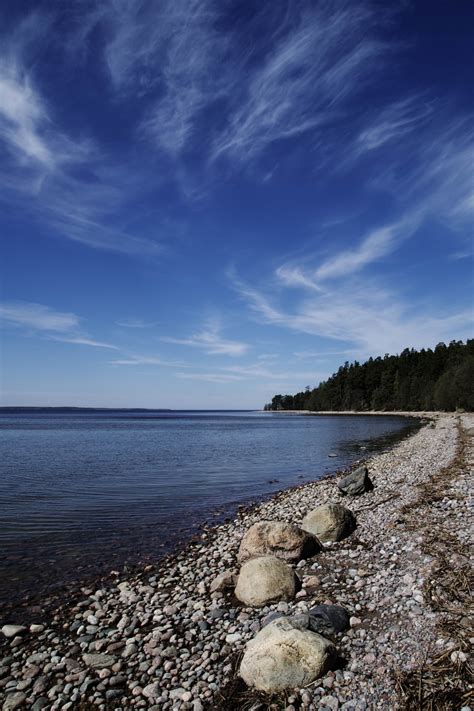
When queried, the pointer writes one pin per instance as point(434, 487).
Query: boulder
point(329, 522)
point(264, 580)
point(356, 483)
point(284, 656)
point(278, 538)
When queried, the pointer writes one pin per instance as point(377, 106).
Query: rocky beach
point(383, 603)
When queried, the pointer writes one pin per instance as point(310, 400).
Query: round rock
point(330, 522)
point(264, 580)
point(280, 539)
point(283, 656)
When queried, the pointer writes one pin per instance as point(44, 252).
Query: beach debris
point(356, 483)
point(284, 656)
point(329, 522)
point(280, 539)
point(264, 580)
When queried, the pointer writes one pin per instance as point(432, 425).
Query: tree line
point(438, 379)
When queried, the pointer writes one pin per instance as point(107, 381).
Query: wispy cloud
point(147, 360)
point(187, 59)
point(369, 318)
point(220, 378)
point(374, 247)
point(394, 122)
point(65, 180)
point(309, 72)
point(135, 323)
point(37, 316)
point(378, 244)
point(84, 341)
point(210, 340)
point(430, 170)
point(323, 354)
point(55, 325)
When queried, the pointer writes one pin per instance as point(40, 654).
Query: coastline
point(174, 644)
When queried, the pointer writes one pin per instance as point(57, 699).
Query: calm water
point(84, 491)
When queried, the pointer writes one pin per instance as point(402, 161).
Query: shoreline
point(174, 643)
point(35, 590)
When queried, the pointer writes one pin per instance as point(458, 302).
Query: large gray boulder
point(264, 580)
point(284, 656)
point(356, 483)
point(278, 538)
point(329, 522)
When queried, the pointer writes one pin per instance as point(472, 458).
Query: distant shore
point(162, 638)
point(391, 413)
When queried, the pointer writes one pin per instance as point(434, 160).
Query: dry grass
point(237, 696)
point(443, 683)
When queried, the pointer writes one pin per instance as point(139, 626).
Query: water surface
point(84, 491)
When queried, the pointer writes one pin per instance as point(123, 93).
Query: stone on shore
point(284, 656)
point(356, 483)
point(336, 615)
point(99, 661)
point(14, 701)
point(223, 581)
point(330, 522)
point(13, 630)
point(264, 580)
point(280, 539)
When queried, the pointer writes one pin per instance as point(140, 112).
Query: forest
point(438, 379)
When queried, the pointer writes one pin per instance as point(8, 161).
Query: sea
point(83, 493)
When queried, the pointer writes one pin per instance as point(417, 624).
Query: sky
point(205, 203)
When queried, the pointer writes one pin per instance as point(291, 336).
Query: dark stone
point(334, 615)
point(356, 483)
point(270, 617)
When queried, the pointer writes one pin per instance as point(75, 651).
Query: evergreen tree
point(442, 379)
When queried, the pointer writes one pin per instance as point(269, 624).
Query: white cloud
point(378, 244)
point(371, 319)
point(37, 316)
point(135, 323)
point(188, 59)
point(324, 354)
point(65, 180)
point(305, 79)
point(430, 170)
point(56, 325)
point(211, 377)
point(394, 122)
point(172, 49)
point(147, 360)
point(84, 341)
point(210, 340)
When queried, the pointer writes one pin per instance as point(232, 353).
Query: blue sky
point(206, 203)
